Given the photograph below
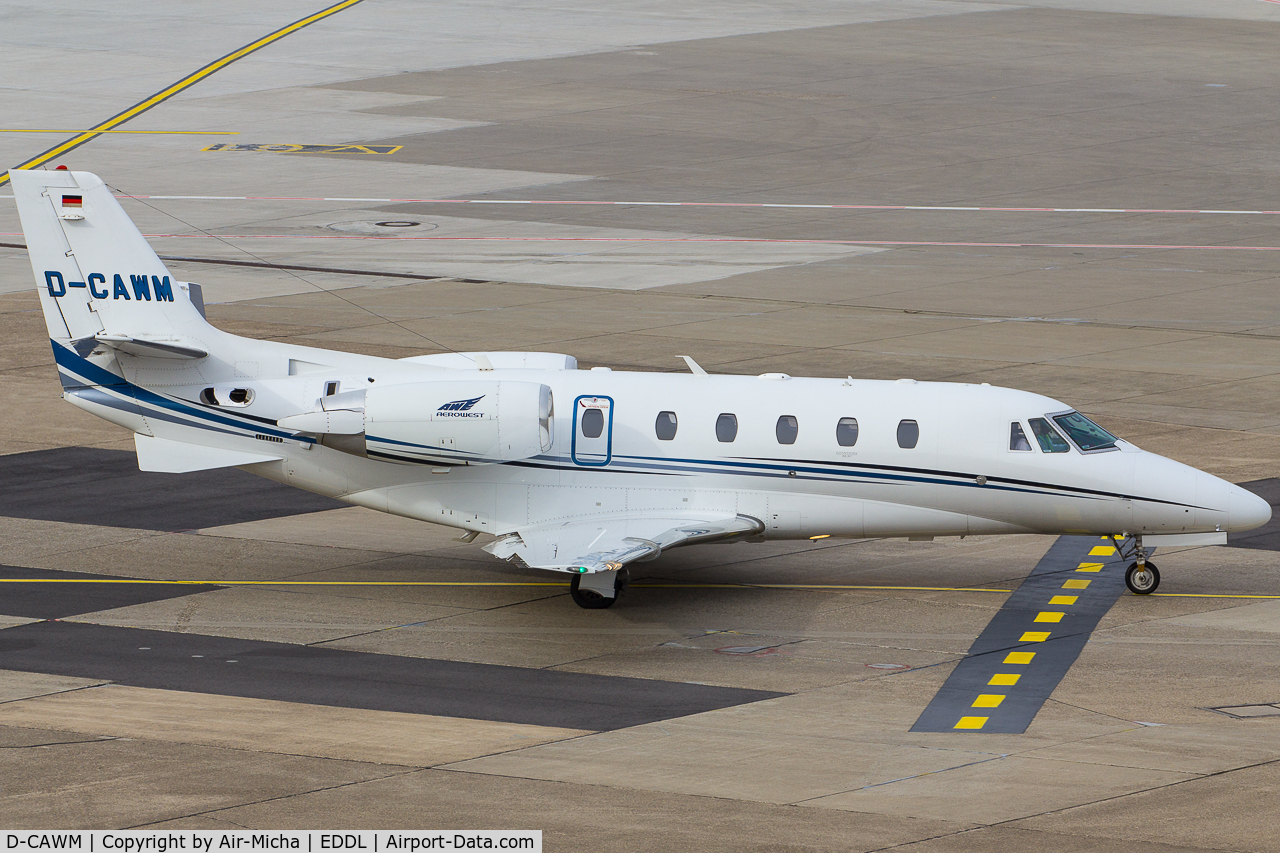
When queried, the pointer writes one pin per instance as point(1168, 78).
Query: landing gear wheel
point(592, 600)
point(1142, 580)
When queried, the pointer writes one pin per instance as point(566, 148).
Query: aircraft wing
point(609, 544)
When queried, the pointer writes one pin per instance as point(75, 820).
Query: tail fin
point(98, 279)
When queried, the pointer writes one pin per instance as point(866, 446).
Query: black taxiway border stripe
point(88, 485)
point(1266, 537)
point(59, 600)
point(322, 676)
point(953, 708)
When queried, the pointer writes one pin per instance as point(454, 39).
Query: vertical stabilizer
point(97, 277)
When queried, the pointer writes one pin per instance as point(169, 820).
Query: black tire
point(589, 598)
point(1142, 582)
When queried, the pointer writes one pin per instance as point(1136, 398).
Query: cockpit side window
point(1018, 438)
point(1047, 437)
point(1085, 433)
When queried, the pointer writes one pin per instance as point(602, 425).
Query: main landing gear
point(600, 589)
point(1141, 577)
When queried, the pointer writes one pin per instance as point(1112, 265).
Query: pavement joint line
point(174, 88)
point(590, 203)
point(718, 240)
point(790, 303)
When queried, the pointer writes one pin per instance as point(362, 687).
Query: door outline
point(573, 441)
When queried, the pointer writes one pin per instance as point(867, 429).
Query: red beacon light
point(59, 168)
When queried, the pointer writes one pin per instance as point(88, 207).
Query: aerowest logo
point(139, 287)
point(460, 409)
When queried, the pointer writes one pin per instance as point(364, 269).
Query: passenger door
point(592, 444)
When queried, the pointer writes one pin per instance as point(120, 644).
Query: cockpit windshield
point(1085, 433)
point(1047, 437)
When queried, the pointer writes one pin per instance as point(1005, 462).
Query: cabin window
point(908, 434)
point(665, 426)
point(330, 388)
point(1085, 433)
point(592, 421)
point(726, 428)
point(847, 432)
point(1047, 437)
point(1018, 438)
point(787, 429)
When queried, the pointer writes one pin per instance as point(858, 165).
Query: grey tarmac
point(968, 191)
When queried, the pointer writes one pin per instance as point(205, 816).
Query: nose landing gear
point(1141, 577)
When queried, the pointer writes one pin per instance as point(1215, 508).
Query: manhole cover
point(887, 666)
point(382, 226)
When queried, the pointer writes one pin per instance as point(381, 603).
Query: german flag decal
point(72, 201)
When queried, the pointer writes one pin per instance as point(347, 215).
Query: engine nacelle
point(436, 423)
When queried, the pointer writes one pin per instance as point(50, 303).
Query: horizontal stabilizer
point(152, 347)
point(179, 457)
point(607, 545)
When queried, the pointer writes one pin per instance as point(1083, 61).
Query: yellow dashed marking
point(972, 722)
point(1076, 583)
point(1102, 551)
point(1019, 657)
point(1004, 679)
point(1034, 637)
point(1089, 567)
point(988, 700)
point(1049, 616)
point(1064, 599)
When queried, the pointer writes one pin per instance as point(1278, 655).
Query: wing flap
point(609, 544)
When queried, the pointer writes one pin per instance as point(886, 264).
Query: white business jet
point(583, 471)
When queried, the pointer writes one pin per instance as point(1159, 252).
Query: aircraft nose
point(1246, 510)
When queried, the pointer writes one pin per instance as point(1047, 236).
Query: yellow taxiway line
point(499, 583)
point(144, 132)
point(566, 583)
point(1206, 595)
point(168, 92)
